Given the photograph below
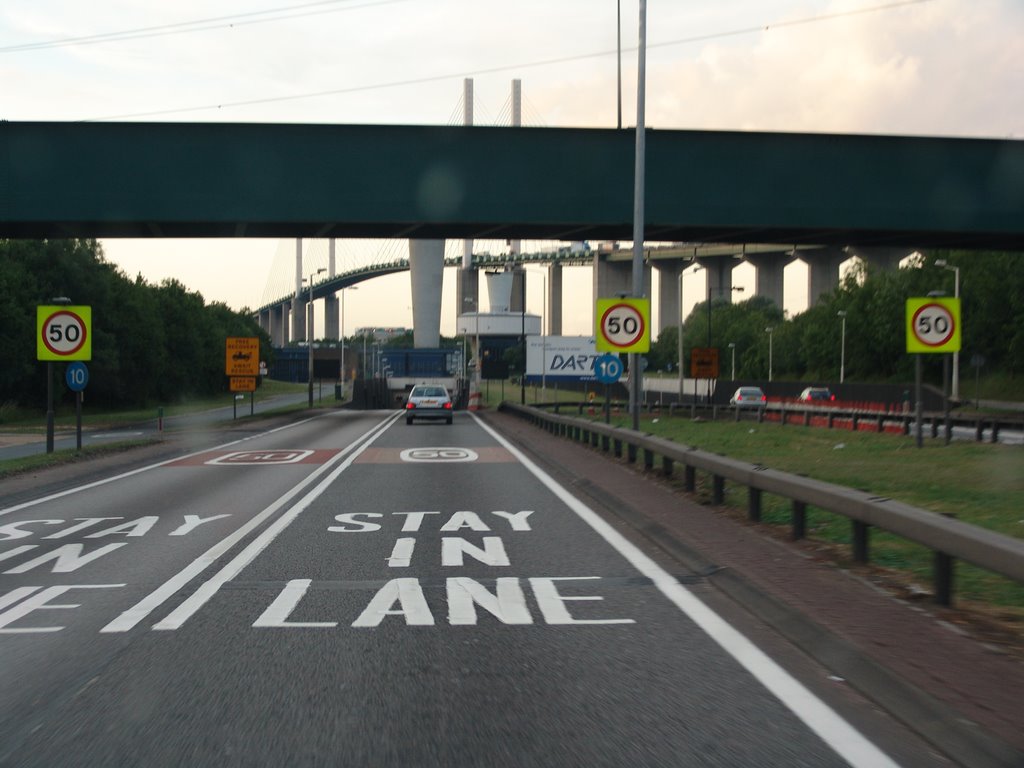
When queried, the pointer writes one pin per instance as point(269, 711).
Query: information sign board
point(242, 356)
point(704, 363)
point(63, 333)
point(623, 325)
point(933, 325)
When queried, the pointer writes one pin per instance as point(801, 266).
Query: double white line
point(208, 589)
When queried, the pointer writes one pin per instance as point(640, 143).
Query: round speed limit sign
point(933, 325)
point(622, 325)
point(63, 333)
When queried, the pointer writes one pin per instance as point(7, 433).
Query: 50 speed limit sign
point(623, 325)
point(63, 333)
point(933, 325)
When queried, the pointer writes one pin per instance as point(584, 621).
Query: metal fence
point(948, 538)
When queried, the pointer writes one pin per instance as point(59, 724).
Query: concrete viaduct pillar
point(822, 271)
point(554, 300)
point(770, 277)
point(426, 269)
point(612, 278)
point(718, 272)
point(331, 317)
point(880, 258)
point(279, 325)
point(668, 294)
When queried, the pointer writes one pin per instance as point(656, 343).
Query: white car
point(748, 397)
point(428, 401)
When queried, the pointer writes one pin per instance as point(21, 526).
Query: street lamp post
point(769, 330)
point(344, 373)
point(682, 369)
point(721, 292)
point(309, 331)
point(732, 348)
point(956, 355)
point(842, 347)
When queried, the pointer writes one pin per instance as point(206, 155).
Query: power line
point(516, 67)
point(198, 25)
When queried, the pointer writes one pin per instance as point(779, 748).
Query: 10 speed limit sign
point(623, 325)
point(933, 325)
point(63, 333)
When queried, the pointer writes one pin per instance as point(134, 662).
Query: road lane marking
point(209, 588)
point(123, 475)
point(489, 454)
point(836, 732)
point(128, 619)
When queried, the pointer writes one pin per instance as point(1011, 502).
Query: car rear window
point(429, 392)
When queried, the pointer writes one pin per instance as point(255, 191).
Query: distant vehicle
point(816, 394)
point(748, 397)
point(427, 401)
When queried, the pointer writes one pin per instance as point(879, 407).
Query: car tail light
point(764, 398)
point(410, 406)
point(832, 398)
point(448, 406)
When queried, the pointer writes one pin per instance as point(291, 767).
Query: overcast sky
point(932, 67)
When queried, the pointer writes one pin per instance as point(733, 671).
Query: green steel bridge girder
point(258, 180)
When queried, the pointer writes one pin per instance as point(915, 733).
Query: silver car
point(748, 397)
point(428, 401)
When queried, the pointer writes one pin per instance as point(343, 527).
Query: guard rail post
point(648, 459)
point(861, 532)
point(618, 448)
point(717, 489)
point(799, 520)
point(631, 453)
point(995, 430)
point(754, 504)
point(690, 479)
point(666, 466)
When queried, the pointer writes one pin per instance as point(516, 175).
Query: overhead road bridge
point(258, 180)
point(428, 183)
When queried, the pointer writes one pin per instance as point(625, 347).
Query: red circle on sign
point(78, 321)
point(634, 337)
point(944, 339)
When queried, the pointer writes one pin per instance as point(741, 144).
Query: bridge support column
point(298, 319)
point(880, 258)
point(668, 293)
point(279, 326)
point(554, 300)
point(426, 270)
point(770, 280)
point(612, 278)
point(467, 292)
point(822, 271)
point(516, 297)
point(719, 277)
point(331, 317)
point(264, 321)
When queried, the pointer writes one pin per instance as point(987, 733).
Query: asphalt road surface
point(350, 590)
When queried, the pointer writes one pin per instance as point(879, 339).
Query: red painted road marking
point(257, 458)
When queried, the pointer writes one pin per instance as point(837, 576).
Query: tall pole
point(842, 348)
point(309, 330)
point(732, 347)
point(956, 355)
point(309, 339)
point(635, 388)
point(618, 37)
point(769, 332)
point(679, 333)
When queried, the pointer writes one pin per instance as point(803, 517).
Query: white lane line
point(129, 618)
point(123, 475)
point(842, 737)
point(209, 588)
